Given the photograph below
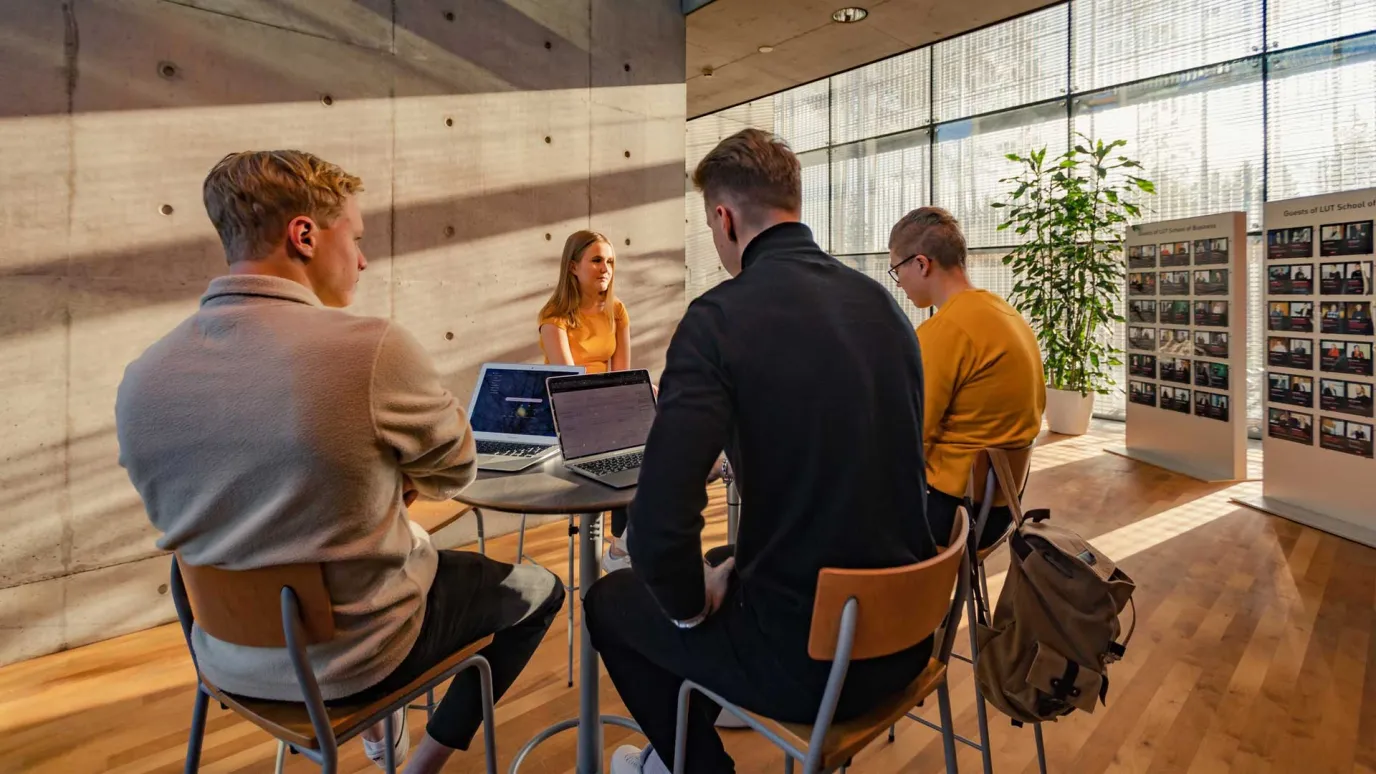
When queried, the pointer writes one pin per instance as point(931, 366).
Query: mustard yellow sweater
point(984, 385)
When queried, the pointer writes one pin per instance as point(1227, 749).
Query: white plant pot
point(1068, 412)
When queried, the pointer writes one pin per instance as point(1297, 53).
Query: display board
point(1318, 462)
point(1186, 302)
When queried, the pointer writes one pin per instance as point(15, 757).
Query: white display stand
point(1187, 346)
point(1318, 464)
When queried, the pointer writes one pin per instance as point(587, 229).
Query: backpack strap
point(1003, 471)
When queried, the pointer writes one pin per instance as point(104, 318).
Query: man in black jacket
point(809, 375)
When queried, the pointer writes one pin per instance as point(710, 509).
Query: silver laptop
point(512, 422)
point(603, 421)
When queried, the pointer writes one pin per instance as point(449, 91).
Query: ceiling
point(725, 36)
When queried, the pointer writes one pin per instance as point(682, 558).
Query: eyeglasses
point(893, 270)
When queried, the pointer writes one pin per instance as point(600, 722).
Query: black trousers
point(619, 516)
point(472, 597)
point(941, 515)
point(752, 657)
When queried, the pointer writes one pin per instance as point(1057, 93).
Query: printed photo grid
point(1320, 334)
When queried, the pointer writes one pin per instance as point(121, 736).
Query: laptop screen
point(601, 413)
point(512, 401)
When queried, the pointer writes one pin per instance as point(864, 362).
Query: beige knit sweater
point(267, 429)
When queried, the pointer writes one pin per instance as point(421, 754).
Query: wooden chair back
point(244, 607)
point(1020, 460)
point(899, 606)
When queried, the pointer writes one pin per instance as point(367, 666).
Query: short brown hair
point(756, 170)
point(252, 195)
point(929, 231)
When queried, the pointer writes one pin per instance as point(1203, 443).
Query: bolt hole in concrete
point(628, 154)
point(449, 16)
point(449, 231)
point(448, 335)
point(548, 45)
point(162, 589)
point(548, 237)
point(327, 100)
point(448, 122)
point(628, 67)
point(166, 209)
point(167, 70)
point(628, 243)
point(548, 140)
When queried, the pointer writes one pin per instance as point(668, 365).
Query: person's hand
point(717, 579)
point(409, 492)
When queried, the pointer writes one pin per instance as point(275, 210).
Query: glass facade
point(1227, 103)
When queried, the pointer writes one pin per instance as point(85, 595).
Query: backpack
point(1055, 629)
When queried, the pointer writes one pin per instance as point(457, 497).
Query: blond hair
point(756, 170)
point(251, 196)
point(567, 298)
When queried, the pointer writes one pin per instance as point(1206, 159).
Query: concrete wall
point(484, 130)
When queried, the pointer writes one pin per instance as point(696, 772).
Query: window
point(802, 116)
point(1118, 41)
point(874, 183)
point(970, 163)
point(1299, 22)
point(817, 195)
point(1198, 135)
point(892, 95)
point(1323, 119)
point(1019, 61)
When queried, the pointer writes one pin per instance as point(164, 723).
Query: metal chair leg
point(193, 743)
point(981, 711)
point(389, 748)
point(482, 533)
point(788, 764)
point(281, 762)
point(489, 717)
point(1041, 748)
point(569, 588)
point(521, 541)
point(893, 732)
point(948, 732)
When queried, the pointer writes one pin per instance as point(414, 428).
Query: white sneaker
point(727, 720)
point(621, 560)
point(631, 760)
point(377, 751)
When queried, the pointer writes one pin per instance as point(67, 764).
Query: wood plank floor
point(1255, 651)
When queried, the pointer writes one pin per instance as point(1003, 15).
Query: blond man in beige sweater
point(273, 428)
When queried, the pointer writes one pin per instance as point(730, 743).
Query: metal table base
point(590, 720)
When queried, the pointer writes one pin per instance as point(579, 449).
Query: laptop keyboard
point(610, 465)
point(508, 449)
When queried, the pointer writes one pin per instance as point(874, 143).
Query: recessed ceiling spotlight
point(766, 49)
point(849, 15)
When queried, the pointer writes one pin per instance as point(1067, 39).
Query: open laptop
point(603, 421)
point(510, 414)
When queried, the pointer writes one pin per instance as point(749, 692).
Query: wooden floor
point(1256, 651)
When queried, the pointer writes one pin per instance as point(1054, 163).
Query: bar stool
point(288, 607)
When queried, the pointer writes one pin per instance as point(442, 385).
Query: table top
point(546, 489)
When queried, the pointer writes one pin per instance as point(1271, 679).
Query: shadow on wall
point(348, 49)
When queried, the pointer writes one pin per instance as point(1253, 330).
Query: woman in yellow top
point(584, 324)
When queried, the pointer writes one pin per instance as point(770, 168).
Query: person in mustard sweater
point(583, 323)
point(982, 367)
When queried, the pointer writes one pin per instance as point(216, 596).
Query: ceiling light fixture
point(849, 15)
point(766, 49)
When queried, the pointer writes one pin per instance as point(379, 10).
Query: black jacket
point(807, 373)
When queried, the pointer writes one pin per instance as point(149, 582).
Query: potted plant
point(1069, 212)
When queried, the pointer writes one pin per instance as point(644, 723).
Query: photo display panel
point(1318, 462)
point(1185, 293)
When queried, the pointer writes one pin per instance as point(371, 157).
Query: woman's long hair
point(567, 297)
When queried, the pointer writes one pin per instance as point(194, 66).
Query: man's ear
point(301, 235)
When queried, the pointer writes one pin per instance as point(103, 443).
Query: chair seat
point(290, 722)
point(844, 740)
